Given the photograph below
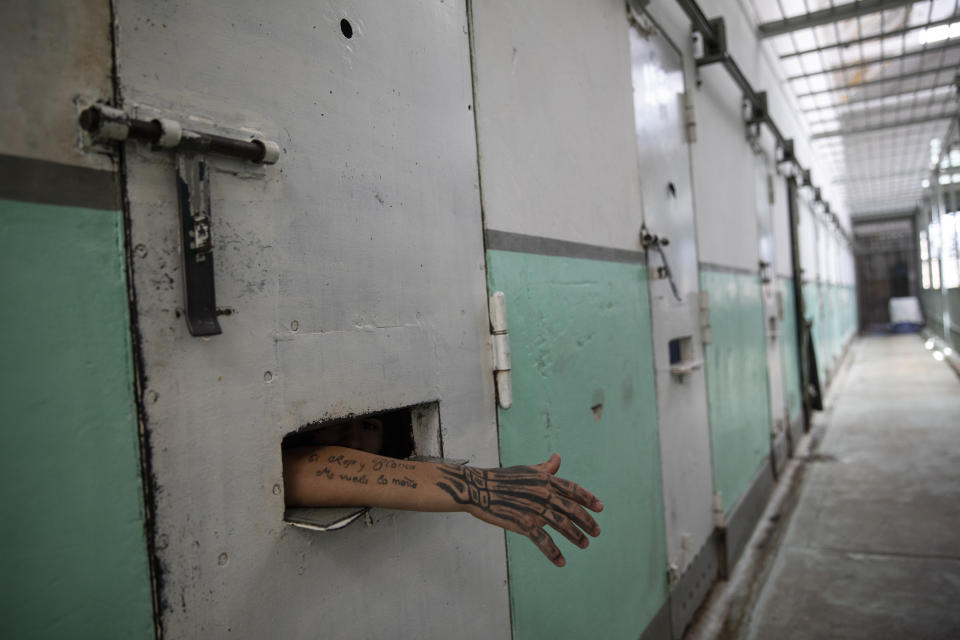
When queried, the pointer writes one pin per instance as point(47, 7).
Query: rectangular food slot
point(407, 432)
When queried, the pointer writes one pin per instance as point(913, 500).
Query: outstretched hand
point(524, 499)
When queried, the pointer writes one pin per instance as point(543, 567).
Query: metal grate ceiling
point(875, 81)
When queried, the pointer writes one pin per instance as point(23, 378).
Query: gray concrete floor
point(872, 548)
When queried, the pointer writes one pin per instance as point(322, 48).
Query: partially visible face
point(365, 434)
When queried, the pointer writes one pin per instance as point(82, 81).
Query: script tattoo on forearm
point(347, 469)
point(525, 498)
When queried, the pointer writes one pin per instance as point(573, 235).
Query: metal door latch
point(764, 270)
point(648, 241)
point(193, 194)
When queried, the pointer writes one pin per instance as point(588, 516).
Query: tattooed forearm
point(523, 499)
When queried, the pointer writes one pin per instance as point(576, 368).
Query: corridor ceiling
point(876, 82)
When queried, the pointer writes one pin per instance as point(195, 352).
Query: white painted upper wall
point(555, 120)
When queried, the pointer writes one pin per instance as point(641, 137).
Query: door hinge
point(718, 518)
point(689, 117)
point(705, 331)
point(501, 349)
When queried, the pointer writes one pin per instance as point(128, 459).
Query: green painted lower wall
point(833, 310)
point(814, 314)
point(737, 384)
point(73, 552)
point(789, 352)
point(932, 301)
point(580, 336)
point(933, 304)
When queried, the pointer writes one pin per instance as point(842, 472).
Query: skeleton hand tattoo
point(525, 499)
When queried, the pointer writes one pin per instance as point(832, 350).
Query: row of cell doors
point(313, 261)
point(678, 310)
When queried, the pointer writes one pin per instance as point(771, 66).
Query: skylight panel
point(804, 39)
point(939, 33)
point(919, 12)
point(942, 9)
point(823, 100)
point(826, 35)
point(800, 86)
point(793, 8)
point(832, 57)
point(913, 64)
point(829, 113)
point(783, 45)
point(892, 46)
point(871, 49)
point(767, 11)
point(870, 25)
point(894, 18)
point(817, 83)
point(791, 67)
point(811, 62)
point(914, 39)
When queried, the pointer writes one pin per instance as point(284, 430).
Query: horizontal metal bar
point(702, 24)
point(697, 17)
point(879, 127)
point(950, 44)
point(922, 171)
point(734, 70)
point(884, 96)
point(891, 215)
point(826, 16)
point(878, 81)
point(944, 104)
point(865, 39)
point(112, 124)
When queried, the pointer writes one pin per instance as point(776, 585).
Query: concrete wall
point(74, 552)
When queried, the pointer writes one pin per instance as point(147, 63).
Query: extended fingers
point(546, 545)
point(565, 526)
point(575, 492)
point(575, 512)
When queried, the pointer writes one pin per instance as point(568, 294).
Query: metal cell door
point(658, 93)
point(349, 278)
point(765, 180)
